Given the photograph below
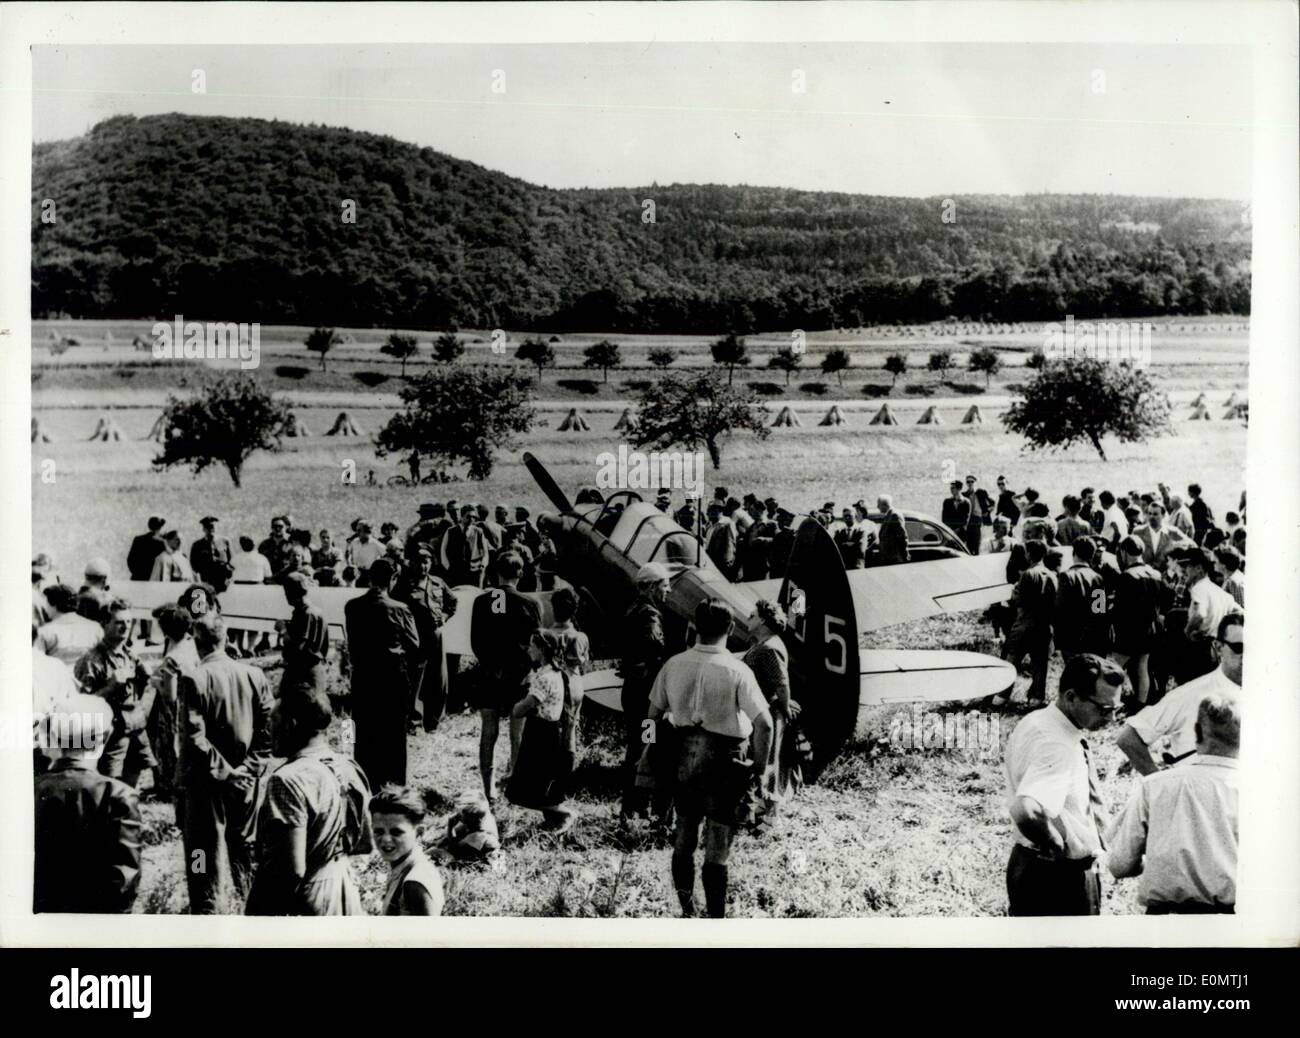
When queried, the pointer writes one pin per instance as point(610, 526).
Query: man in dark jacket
point(384, 650)
point(502, 625)
point(145, 548)
point(210, 556)
point(1135, 618)
point(1031, 633)
point(1202, 517)
point(644, 650)
point(87, 824)
point(956, 512)
point(224, 759)
point(1079, 619)
point(893, 534)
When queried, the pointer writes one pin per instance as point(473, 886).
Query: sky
point(919, 120)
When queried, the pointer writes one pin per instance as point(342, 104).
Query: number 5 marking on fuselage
point(835, 638)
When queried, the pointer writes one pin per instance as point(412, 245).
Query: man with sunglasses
point(1053, 794)
point(1174, 717)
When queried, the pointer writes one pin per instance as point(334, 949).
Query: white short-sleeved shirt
point(250, 567)
point(363, 556)
point(1174, 717)
point(1180, 832)
point(68, 637)
point(1045, 760)
point(1114, 524)
point(1211, 602)
point(708, 687)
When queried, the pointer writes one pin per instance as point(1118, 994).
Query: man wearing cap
point(532, 538)
point(384, 648)
point(210, 556)
point(782, 542)
point(171, 565)
point(981, 505)
point(225, 755)
point(1054, 798)
point(644, 650)
point(305, 643)
point(1207, 605)
point(87, 847)
point(432, 604)
point(1135, 617)
point(111, 671)
point(502, 625)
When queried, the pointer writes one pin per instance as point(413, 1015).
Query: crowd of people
point(712, 740)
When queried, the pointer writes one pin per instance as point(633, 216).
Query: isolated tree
point(786, 360)
point(1036, 359)
point(460, 414)
point(603, 355)
point(835, 362)
point(223, 423)
point(985, 359)
point(1083, 400)
point(730, 351)
point(940, 361)
point(322, 340)
point(537, 352)
point(403, 347)
point(896, 364)
point(447, 348)
point(702, 410)
point(661, 357)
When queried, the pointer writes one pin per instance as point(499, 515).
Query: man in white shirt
point(1114, 527)
point(719, 712)
point(1174, 717)
point(68, 636)
point(1208, 604)
point(1179, 830)
point(1053, 797)
point(53, 686)
point(248, 565)
point(364, 552)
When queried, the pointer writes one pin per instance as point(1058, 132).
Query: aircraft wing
point(930, 675)
point(888, 595)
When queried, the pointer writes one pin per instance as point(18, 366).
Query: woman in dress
point(414, 885)
point(768, 658)
point(316, 814)
point(544, 764)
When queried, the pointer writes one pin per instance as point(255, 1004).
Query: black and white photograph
point(663, 476)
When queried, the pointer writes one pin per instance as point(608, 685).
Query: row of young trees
point(729, 352)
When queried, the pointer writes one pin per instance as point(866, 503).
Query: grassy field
point(888, 830)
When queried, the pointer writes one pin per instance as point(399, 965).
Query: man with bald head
point(225, 753)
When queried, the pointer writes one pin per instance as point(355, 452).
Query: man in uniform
point(502, 625)
point(87, 851)
point(384, 649)
point(1034, 598)
point(644, 650)
point(723, 731)
point(305, 642)
point(432, 604)
point(111, 671)
point(225, 754)
point(210, 556)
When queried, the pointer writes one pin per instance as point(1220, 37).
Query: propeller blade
point(549, 487)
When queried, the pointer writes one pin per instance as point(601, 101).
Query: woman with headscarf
point(317, 813)
point(768, 658)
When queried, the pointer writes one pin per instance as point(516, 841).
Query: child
point(471, 832)
point(545, 762)
point(414, 886)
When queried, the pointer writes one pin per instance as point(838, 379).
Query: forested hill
point(243, 219)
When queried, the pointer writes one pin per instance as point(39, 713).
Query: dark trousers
point(126, 753)
point(209, 818)
point(1038, 886)
point(380, 729)
point(431, 698)
point(1037, 644)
